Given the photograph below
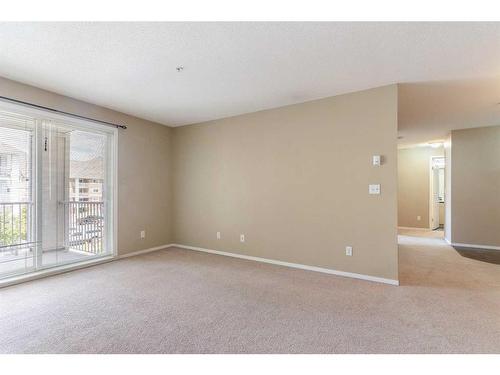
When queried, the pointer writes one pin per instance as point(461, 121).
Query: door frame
point(431, 189)
point(111, 193)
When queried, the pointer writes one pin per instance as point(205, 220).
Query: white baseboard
point(134, 253)
point(71, 267)
point(414, 228)
point(472, 246)
point(292, 265)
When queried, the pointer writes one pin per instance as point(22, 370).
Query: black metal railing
point(85, 226)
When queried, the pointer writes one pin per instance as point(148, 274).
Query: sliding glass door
point(56, 191)
point(17, 220)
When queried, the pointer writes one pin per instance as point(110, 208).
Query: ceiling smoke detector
point(179, 69)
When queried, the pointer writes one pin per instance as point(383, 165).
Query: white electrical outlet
point(218, 235)
point(242, 238)
point(348, 251)
point(374, 189)
point(143, 234)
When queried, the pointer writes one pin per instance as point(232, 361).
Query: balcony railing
point(15, 225)
point(85, 226)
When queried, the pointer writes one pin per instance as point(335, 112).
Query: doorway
point(437, 191)
point(421, 193)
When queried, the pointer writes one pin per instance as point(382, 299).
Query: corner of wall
point(447, 194)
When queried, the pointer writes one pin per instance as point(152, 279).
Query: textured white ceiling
point(234, 68)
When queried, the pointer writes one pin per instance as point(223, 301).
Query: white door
point(434, 216)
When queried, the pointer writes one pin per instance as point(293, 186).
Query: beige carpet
point(438, 233)
point(179, 301)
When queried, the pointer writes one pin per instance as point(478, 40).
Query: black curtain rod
point(61, 112)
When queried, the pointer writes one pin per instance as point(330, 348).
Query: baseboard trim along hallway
point(473, 246)
point(414, 228)
point(292, 265)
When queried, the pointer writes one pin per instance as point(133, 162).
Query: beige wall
point(475, 186)
point(295, 181)
point(414, 185)
point(144, 185)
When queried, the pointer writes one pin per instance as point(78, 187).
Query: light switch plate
point(348, 251)
point(376, 160)
point(374, 189)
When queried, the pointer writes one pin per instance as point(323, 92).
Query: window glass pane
point(56, 198)
point(16, 204)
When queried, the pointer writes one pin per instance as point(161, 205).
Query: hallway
point(438, 233)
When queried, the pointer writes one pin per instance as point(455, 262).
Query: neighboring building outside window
point(86, 180)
